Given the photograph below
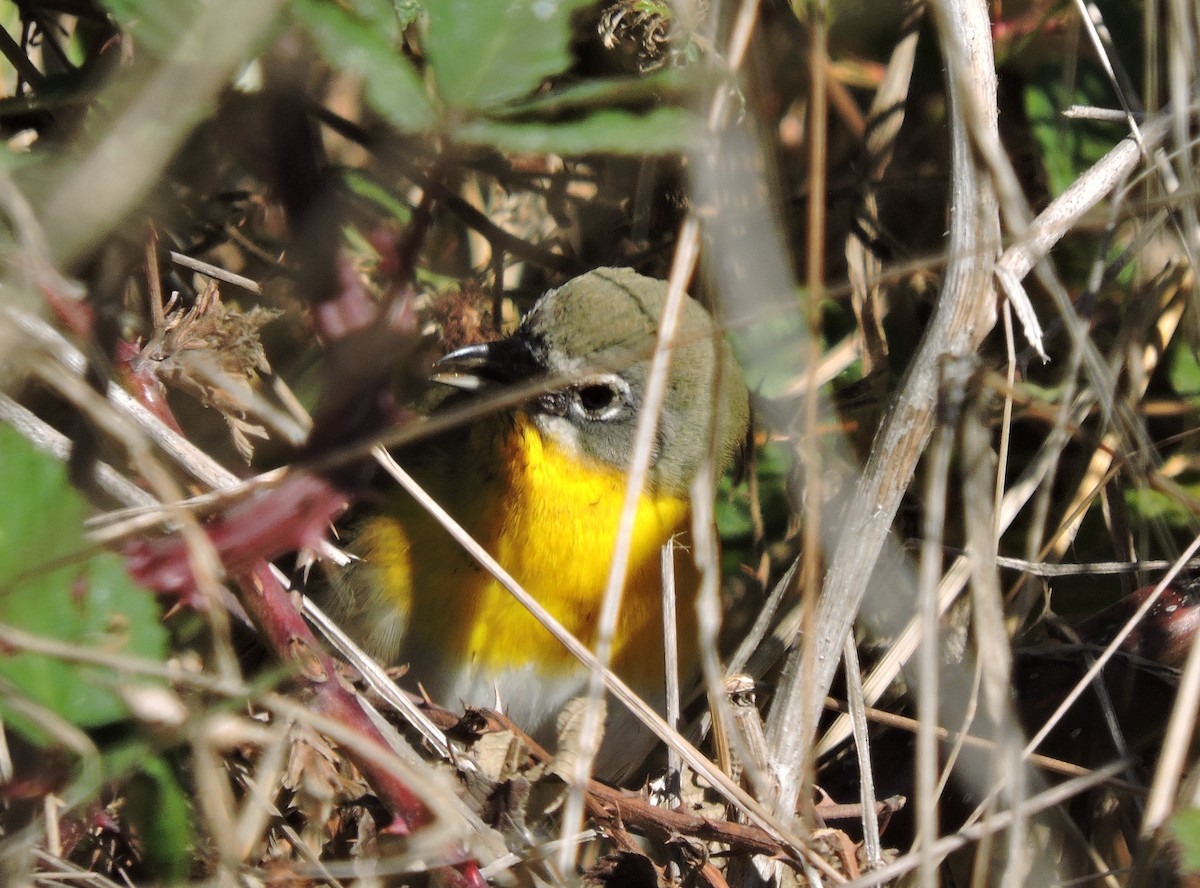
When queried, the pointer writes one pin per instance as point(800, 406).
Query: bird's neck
point(572, 503)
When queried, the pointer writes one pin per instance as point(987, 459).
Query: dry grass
point(1034, 730)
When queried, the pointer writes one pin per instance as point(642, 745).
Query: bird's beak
point(474, 366)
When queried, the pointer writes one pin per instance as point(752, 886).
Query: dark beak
point(474, 366)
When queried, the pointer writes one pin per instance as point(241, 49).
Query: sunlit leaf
point(664, 131)
point(1186, 826)
point(392, 83)
point(54, 584)
point(487, 52)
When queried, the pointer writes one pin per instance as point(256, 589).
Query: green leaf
point(48, 588)
point(159, 809)
point(671, 86)
point(1185, 372)
point(487, 52)
point(393, 86)
point(1154, 505)
point(157, 26)
point(663, 131)
point(362, 185)
point(381, 15)
point(1186, 826)
point(1068, 147)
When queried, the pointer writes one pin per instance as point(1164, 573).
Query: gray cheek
point(558, 430)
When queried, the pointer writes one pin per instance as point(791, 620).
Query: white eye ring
point(600, 398)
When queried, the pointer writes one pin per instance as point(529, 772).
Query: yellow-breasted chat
point(541, 487)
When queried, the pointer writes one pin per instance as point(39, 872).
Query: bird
point(541, 486)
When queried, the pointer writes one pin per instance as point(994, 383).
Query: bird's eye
point(597, 397)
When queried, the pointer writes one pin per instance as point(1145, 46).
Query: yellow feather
point(550, 517)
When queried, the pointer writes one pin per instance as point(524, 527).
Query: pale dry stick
point(1065, 211)
point(872, 844)
point(51, 806)
point(980, 477)
point(154, 295)
point(186, 455)
point(119, 525)
point(683, 263)
point(214, 797)
point(952, 392)
point(50, 440)
point(810, 456)
point(1100, 115)
point(57, 871)
point(832, 364)
point(1181, 79)
point(125, 664)
point(964, 314)
point(863, 265)
point(1010, 377)
point(6, 763)
point(1010, 380)
point(948, 844)
point(970, 70)
point(670, 657)
point(259, 806)
point(216, 272)
point(1152, 27)
point(720, 782)
point(290, 402)
point(1114, 70)
point(1086, 568)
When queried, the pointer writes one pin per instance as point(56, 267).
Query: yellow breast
point(551, 519)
